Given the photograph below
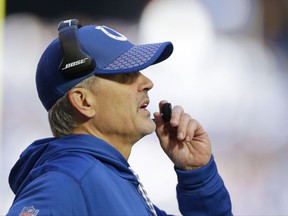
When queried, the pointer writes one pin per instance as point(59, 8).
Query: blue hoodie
point(84, 175)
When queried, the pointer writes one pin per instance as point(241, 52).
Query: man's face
point(120, 104)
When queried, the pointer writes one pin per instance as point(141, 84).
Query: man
point(89, 81)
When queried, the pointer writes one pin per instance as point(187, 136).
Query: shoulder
point(71, 163)
point(52, 193)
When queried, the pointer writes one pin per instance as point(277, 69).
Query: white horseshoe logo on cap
point(119, 37)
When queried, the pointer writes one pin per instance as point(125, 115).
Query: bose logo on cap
point(75, 63)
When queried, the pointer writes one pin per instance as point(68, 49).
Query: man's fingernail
point(180, 136)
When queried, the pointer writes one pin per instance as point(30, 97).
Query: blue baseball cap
point(111, 51)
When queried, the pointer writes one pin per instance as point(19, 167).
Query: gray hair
point(61, 114)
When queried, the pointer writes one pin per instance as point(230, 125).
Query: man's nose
point(146, 83)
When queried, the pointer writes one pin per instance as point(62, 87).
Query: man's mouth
point(144, 104)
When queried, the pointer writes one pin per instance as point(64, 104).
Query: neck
point(124, 146)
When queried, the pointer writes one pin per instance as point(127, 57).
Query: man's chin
point(152, 127)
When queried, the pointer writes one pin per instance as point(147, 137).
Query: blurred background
point(228, 70)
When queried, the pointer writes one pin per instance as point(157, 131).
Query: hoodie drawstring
point(144, 193)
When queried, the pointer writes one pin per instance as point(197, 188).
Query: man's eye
point(127, 78)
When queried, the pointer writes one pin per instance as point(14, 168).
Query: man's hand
point(183, 139)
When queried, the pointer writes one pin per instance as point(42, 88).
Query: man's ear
point(82, 100)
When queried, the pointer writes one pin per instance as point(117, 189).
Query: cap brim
point(138, 57)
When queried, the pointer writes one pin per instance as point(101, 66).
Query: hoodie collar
point(41, 150)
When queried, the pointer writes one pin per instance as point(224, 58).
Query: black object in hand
point(166, 111)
